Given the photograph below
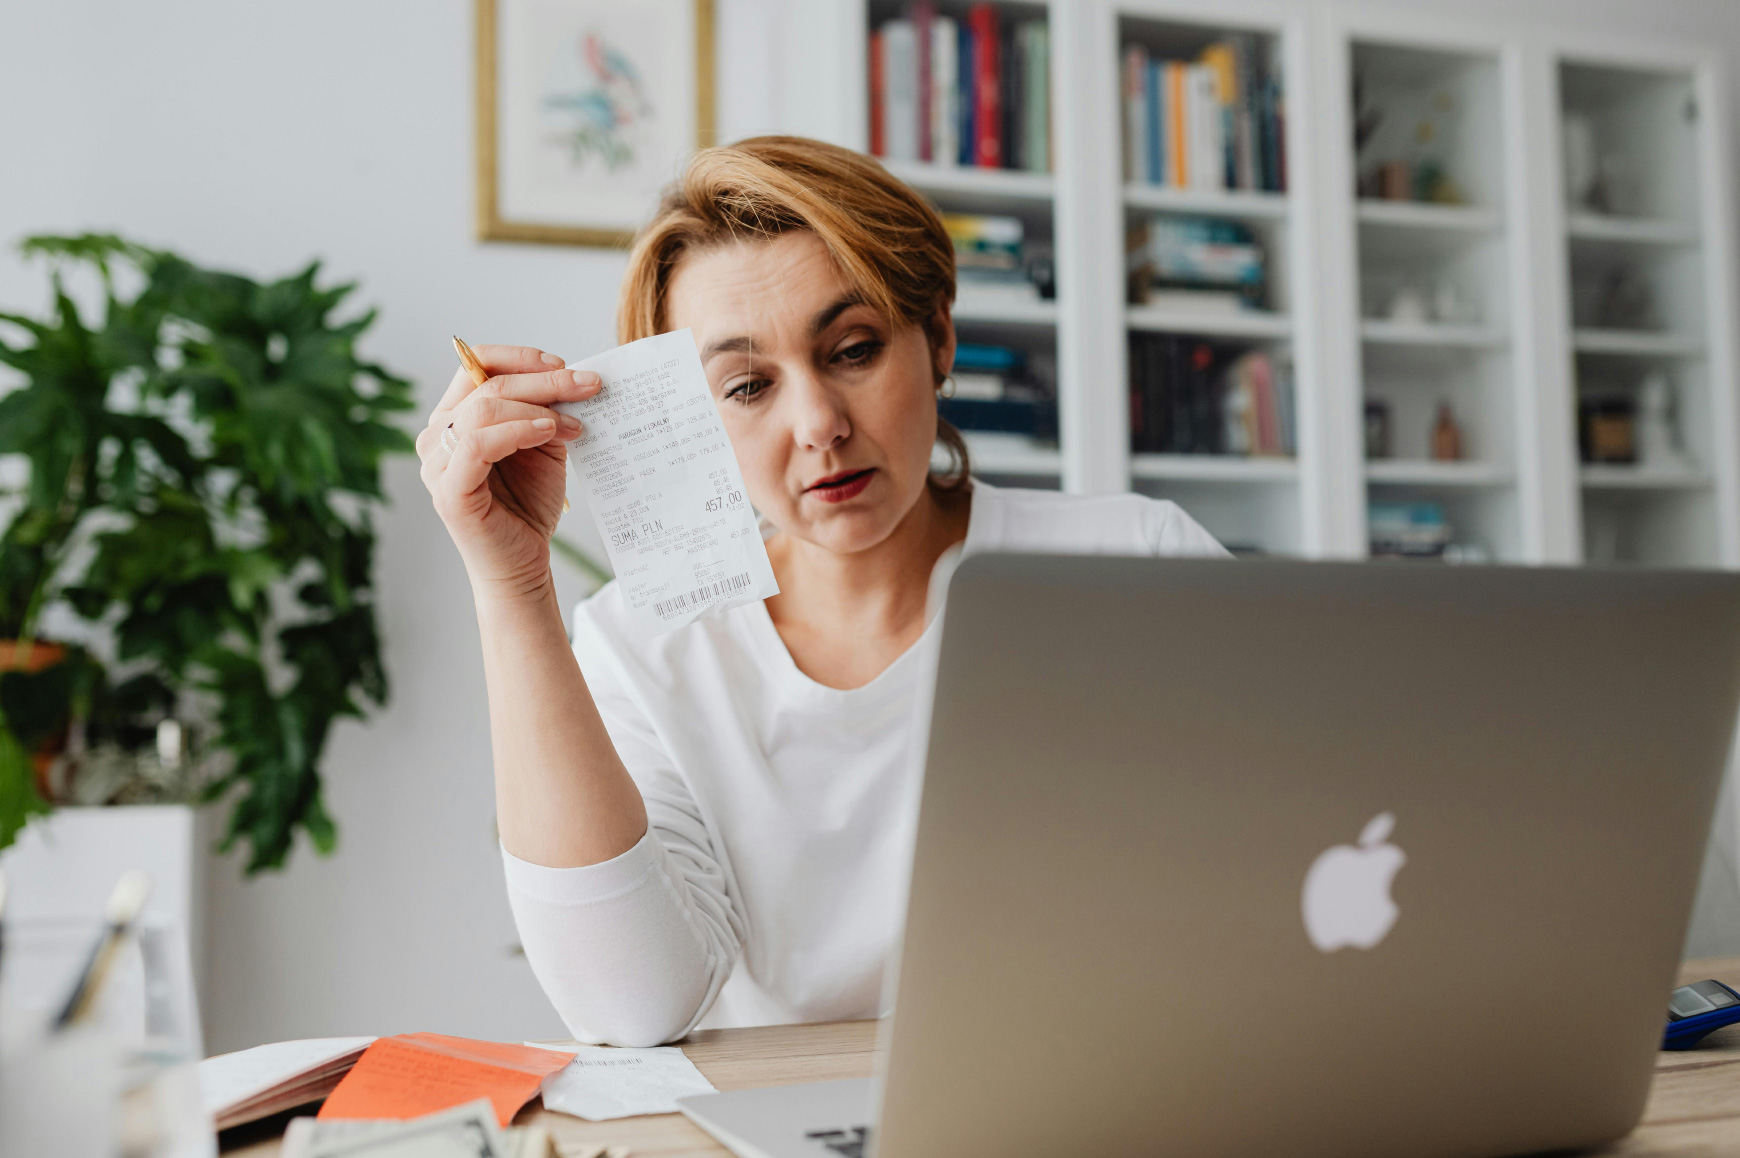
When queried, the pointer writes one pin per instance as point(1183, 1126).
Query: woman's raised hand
point(500, 490)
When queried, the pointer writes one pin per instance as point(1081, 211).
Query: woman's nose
point(819, 419)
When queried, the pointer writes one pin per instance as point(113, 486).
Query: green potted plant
point(199, 466)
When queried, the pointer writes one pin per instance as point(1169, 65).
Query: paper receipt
point(663, 484)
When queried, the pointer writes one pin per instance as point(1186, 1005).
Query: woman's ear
point(942, 340)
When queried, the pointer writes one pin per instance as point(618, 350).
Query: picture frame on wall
point(585, 110)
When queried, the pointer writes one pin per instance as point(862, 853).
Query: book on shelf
point(1170, 252)
point(1213, 123)
point(969, 92)
point(1192, 396)
point(993, 259)
point(1407, 529)
point(995, 392)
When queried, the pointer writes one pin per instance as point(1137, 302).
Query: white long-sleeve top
point(769, 885)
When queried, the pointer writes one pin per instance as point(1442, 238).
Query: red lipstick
point(837, 488)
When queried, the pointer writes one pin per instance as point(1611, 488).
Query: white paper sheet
point(231, 1078)
point(664, 487)
point(604, 1082)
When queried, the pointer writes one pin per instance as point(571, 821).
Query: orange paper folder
point(419, 1073)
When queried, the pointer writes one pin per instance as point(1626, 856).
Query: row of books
point(993, 256)
point(1192, 396)
point(1218, 122)
point(995, 391)
point(1407, 529)
point(969, 92)
point(1195, 262)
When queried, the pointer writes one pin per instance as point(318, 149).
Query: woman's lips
point(840, 487)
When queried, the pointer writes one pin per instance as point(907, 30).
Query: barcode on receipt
point(676, 605)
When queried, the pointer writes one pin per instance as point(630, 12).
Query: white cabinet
point(1485, 230)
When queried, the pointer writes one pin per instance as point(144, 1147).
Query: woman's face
point(831, 410)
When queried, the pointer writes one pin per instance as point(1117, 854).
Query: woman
point(717, 820)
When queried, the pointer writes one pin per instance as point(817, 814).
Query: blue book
point(1156, 151)
point(968, 91)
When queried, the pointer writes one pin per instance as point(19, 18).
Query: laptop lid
point(1134, 766)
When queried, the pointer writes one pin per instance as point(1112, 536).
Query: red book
point(878, 97)
point(987, 87)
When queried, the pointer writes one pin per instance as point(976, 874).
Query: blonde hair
point(888, 242)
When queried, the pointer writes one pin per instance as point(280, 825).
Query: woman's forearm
point(563, 798)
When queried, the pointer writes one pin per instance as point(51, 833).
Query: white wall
point(256, 135)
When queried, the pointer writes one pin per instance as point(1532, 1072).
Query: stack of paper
point(256, 1083)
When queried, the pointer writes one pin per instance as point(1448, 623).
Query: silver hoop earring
point(947, 389)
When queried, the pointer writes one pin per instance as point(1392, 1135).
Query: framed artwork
point(585, 110)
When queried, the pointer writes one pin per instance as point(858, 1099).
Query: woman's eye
point(859, 353)
point(747, 392)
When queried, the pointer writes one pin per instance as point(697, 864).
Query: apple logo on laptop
point(1347, 891)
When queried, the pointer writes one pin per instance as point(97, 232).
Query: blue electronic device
point(1697, 1009)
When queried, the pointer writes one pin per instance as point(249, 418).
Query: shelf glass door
point(1209, 270)
point(1636, 288)
point(1436, 367)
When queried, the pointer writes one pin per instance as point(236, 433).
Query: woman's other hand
point(500, 491)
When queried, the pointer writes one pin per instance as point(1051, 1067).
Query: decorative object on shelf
point(1196, 263)
point(1582, 165)
point(1368, 118)
point(1406, 166)
point(1395, 181)
point(1616, 297)
point(1446, 436)
point(202, 464)
point(1597, 180)
point(1214, 123)
point(1377, 429)
point(1658, 430)
point(1607, 430)
point(584, 111)
point(974, 92)
point(1453, 305)
point(1408, 306)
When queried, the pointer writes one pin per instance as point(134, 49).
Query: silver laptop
point(1317, 859)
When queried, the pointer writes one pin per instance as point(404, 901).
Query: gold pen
point(479, 376)
point(125, 903)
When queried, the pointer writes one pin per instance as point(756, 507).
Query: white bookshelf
point(1232, 324)
point(981, 315)
point(1513, 347)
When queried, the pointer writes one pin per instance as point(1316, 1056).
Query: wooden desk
point(1694, 1107)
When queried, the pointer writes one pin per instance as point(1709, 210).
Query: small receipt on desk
point(604, 1082)
point(664, 486)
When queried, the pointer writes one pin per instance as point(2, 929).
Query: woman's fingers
point(480, 449)
point(483, 410)
point(498, 360)
point(543, 389)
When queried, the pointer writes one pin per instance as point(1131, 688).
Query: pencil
point(479, 376)
point(125, 904)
